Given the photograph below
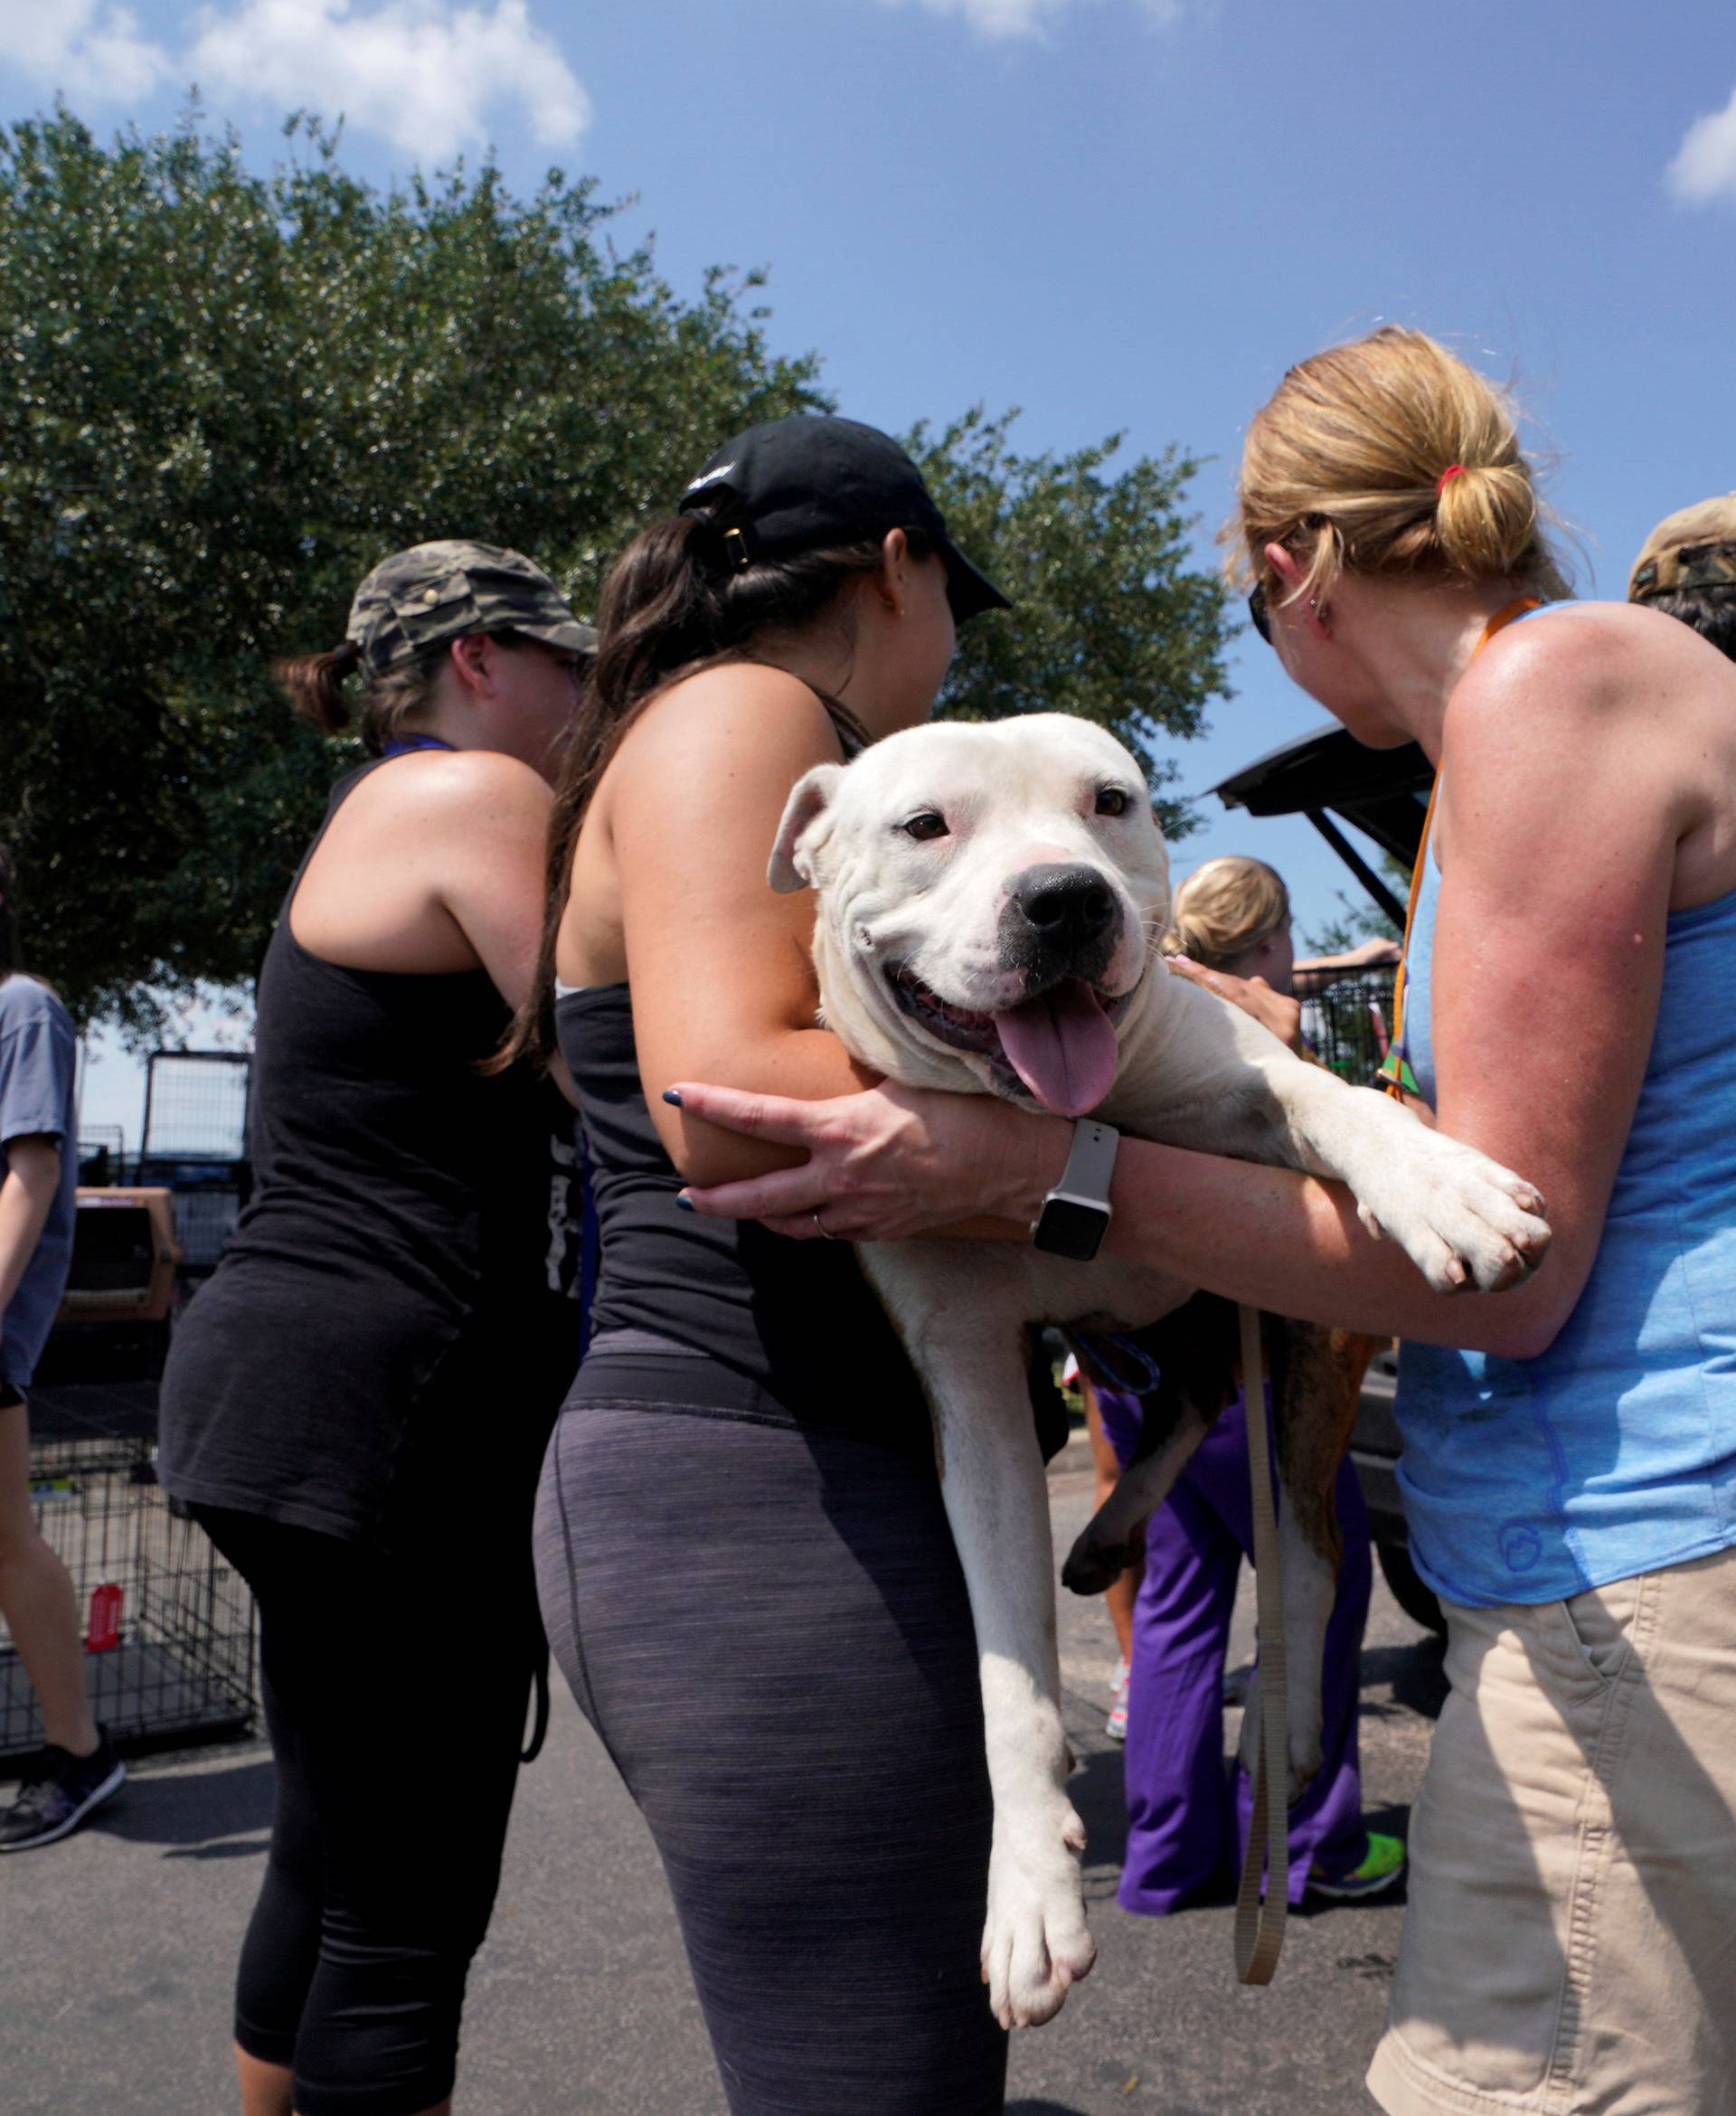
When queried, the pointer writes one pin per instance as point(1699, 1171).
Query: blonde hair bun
point(1225, 907)
point(1389, 456)
point(1487, 519)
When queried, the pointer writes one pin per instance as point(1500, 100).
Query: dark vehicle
point(1333, 779)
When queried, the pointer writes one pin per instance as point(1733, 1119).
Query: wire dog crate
point(195, 1105)
point(169, 1625)
point(195, 1147)
point(1348, 1023)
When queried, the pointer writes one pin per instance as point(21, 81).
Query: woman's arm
point(1566, 806)
point(435, 865)
point(1312, 971)
point(27, 1195)
point(490, 874)
point(720, 966)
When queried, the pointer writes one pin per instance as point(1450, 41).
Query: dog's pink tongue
point(1063, 1047)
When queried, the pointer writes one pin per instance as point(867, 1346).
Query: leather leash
point(1259, 1919)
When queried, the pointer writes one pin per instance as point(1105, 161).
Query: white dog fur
point(917, 852)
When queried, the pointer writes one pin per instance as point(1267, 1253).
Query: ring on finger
point(822, 1227)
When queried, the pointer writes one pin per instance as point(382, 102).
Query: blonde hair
point(1389, 456)
point(1225, 907)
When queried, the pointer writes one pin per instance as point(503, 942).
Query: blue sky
point(1117, 215)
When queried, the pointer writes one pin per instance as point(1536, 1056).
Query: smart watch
point(1076, 1213)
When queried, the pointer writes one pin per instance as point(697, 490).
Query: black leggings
point(395, 1691)
point(767, 1626)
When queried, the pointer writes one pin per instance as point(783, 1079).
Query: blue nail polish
point(673, 1096)
point(683, 1201)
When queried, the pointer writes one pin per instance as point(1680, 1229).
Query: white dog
point(990, 900)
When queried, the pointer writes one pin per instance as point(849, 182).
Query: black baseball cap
point(805, 483)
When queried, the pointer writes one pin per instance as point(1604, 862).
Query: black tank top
point(393, 1325)
point(717, 1315)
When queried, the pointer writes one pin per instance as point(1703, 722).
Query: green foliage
point(1360, 918)
point(1110, 620)
point(227, 395)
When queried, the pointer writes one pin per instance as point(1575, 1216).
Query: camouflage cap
point(1692, 548)
point(437, 591)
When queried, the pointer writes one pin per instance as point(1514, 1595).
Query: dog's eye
point(1111, 800)
point(928, 824)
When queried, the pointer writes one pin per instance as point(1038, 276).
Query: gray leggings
point(768, 1628)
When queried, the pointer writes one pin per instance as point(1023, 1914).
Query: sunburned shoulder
point(1587, 668)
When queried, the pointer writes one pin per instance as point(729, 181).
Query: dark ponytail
point(315, 687)
point(315, 683)
point(674, 603)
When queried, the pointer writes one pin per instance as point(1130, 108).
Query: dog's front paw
point(1035, 1942)
point(1468, 1224)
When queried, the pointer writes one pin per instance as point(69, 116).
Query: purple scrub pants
point(1185, 1829)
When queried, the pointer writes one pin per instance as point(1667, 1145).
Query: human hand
point(1274, 1010)
point(884, 1165)
point(1312, 971)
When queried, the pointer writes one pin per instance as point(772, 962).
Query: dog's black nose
point(1064, 907)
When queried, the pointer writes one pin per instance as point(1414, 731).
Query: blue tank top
point(1614, 1452)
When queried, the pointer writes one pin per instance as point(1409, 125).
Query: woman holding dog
point(1570, 1445)
point(746, 1570)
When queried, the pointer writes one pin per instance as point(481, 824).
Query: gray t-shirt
point(38, 1068)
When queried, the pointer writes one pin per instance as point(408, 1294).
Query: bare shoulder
point(1630, 680)
point(739, 716)
point(451, 792)
point(1604, 649)
point(1581, 655)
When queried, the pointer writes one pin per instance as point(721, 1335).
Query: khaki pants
point(1570, 1945)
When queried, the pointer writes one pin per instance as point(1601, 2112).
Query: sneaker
point(1115, 1725)
point(1382, 1867)
point(64, 1790)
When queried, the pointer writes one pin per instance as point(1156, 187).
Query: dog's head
point(991, 897)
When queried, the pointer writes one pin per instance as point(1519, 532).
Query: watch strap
point(1090, 1164)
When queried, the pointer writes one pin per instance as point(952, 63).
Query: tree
point(1110, 620)
point(228, 394)
point(1360, 919)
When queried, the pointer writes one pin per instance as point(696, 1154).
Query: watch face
point(1070, 1227)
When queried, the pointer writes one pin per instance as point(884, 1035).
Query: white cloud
point(84, 47)
point(1705, 162)
point(431, 77)
point(1001, 18)
point(1027, 18)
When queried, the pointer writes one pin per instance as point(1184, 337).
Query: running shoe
point(62, 1791)
point(1115, 1725)
point(1382, 1867)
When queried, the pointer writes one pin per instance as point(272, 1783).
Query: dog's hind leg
point(1114, 1536)
point(1194, 1351)
point(1317, 1384)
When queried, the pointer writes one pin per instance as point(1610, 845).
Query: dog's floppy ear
point(803, 829)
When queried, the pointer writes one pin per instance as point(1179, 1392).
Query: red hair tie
point(1452, 470)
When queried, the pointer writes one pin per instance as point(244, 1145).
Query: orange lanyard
point(1396, 1075)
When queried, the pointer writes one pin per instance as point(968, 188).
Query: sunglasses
point(1259, 615)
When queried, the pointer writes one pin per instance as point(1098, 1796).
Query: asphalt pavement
point(117, 1946)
